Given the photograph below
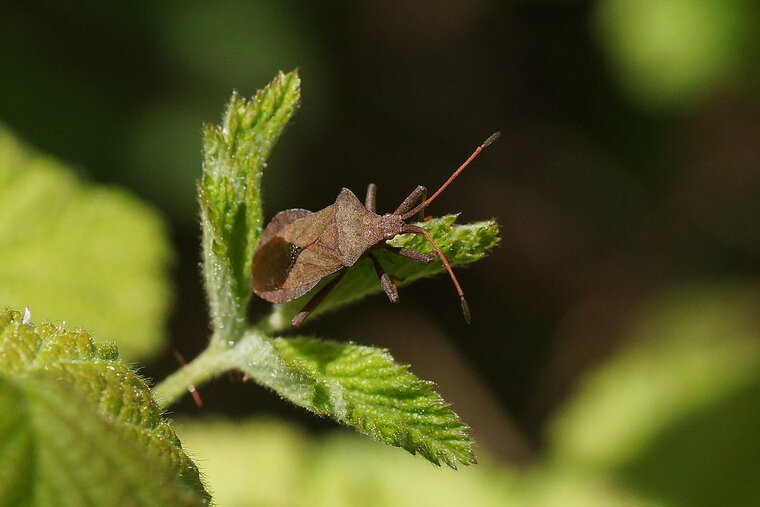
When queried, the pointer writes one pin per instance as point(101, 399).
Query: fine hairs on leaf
point(359, 386)
point(230, 195)
point(363, 387)
point(77, 423)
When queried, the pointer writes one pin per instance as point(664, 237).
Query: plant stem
point(211, 362)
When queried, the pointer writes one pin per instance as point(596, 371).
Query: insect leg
point(419, 193)
point(371, 201)
point(419, 230)
point(316, 299)
point(385, 280)
point(412, 254)
point(423, 198)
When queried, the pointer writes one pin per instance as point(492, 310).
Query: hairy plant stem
point(204, 367)
point(215, 360)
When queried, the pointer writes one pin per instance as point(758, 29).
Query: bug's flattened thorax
point(355, 227)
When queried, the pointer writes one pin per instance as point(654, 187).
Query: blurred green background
point(615, 332)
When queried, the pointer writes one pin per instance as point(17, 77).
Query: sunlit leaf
point(78, 253)
point(365, 388)
point(78, 427)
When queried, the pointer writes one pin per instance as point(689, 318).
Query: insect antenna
point(419, 230)
point(430, 199)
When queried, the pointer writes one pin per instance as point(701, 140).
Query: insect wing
point(279, 221)
point(297, 250)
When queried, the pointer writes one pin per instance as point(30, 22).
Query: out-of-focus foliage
point(236, 42)
point(267, 462)
point(70, 251)
point(676, 416)
point(234, 45)
point(674, 52)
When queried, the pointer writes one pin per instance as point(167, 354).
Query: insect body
point(299, 247)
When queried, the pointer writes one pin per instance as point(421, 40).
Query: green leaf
point(79, 253)
point(462, 244)
point(235, 153)
point(364, 388)
point(80, 427)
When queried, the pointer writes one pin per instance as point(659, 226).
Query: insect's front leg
point(418, 194)
point(385, 280)
point(371, 201)
point(412, 254)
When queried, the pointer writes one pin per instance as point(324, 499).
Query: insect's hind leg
point(316, 299)
point(371, 201)
point(385, 280)
point(418, 194)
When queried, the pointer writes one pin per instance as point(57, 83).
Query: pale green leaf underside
point(364, 388)
point(80, 427)
point(462, 244)
point(87, 255)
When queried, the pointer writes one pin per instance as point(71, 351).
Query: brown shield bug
point(298, 247)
